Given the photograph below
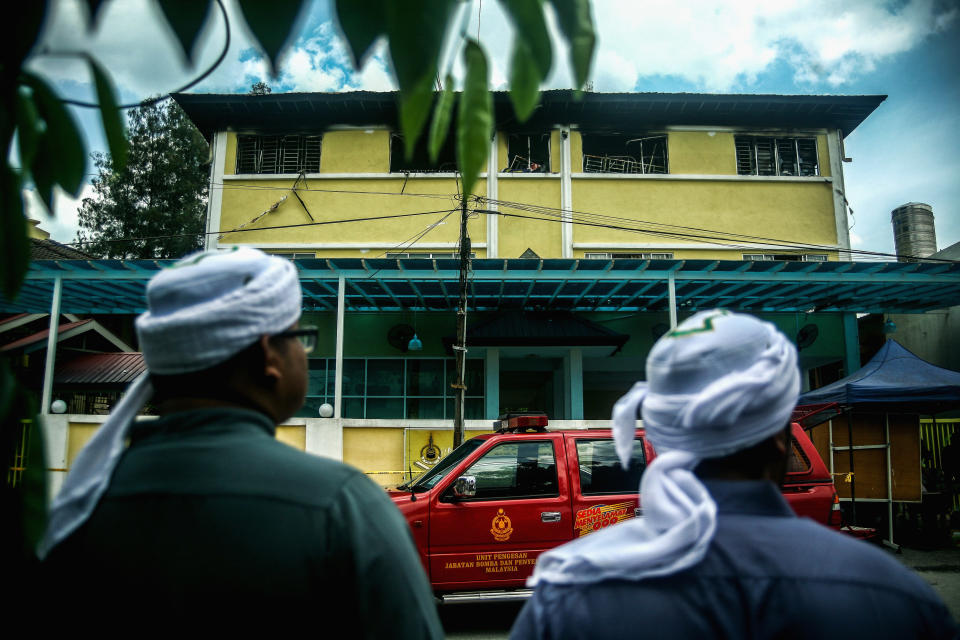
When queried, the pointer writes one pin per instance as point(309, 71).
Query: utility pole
point(460, 348)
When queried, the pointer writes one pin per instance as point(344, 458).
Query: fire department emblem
point(501, 527)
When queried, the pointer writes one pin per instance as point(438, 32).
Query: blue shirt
point(767, 574)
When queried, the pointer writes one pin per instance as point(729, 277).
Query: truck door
point(605, 493)
point(521, 508)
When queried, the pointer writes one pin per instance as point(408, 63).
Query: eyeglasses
point(306, 335)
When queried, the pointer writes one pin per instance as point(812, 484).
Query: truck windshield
point(442, 468)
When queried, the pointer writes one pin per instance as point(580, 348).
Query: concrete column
point(574, 375)
point(672, 292)
point(48, 367)
point(215, 197)
point(56, 437)
point(324, 437)
point(338, 376)
point(493, 221)
point(566, 194)
point(835, 149)
point(491, 372)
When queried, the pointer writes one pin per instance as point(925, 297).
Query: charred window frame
point(292, 153)
point(528, 153)
point(786, 257)
point(420, 160)
point(777, 156)
point(643, 153)
point(629, 256)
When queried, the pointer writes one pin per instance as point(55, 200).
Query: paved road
point(492, 620)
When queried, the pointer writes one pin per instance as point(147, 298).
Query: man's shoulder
point(803, 551)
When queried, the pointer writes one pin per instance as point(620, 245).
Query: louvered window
point(770, 156)
point(278, 154)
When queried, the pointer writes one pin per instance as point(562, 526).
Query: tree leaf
point(94, 7)
point(110, 114)
point(30, 126)
point(524, 81)
point(416, 29)
point(186, 18)
point(440, 125)
point(61, 147)
point(21, 30)
point(474, 118)
point(13, 241)
point(274, 25)
point(362, 22)
point(531, 29)
point(577, 25)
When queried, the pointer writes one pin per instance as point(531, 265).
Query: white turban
point(202, 310)
point(718, 383)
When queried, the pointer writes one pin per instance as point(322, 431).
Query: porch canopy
point(117, 286)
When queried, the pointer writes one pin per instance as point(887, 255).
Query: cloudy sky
point(908, 150)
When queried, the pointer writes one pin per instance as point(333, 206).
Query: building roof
point(117, 286)
point(41, 336)
point(100, 369)
point(46, 249)
point(286, 112)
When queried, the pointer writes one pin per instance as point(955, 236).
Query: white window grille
point(620, 153)
point(788, 257)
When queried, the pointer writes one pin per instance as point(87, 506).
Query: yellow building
point(651, 183)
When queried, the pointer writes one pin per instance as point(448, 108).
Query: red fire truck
point(484, 513)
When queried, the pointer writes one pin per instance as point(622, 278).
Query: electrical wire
point(250, 187)
point(203, 76)
point(285, 226)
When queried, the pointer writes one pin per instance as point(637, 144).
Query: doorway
point(531, 384)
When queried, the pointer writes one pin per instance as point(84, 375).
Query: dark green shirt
point(209, 517)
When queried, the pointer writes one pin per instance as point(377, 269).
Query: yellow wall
point(576, 151)
point(295, 436)
point(77, 436)
point(781, 210)
point(823, 155)
point(345, 199)
point(519, 234)
point(699, 152)
point(230, 155)
point(355, 151)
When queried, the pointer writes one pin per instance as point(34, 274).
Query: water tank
point(914, 234)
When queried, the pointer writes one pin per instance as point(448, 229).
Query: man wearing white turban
point(719, 553)
point(206, 516)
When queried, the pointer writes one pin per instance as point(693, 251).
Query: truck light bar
point(520, 422)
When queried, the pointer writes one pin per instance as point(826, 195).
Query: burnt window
point(624, 153)
point(420, 160)
point(278, 154)
point(528, 153)
point(772, 156)
point(628, 256)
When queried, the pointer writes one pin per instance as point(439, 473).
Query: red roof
point(100, 368)
point(42, 335)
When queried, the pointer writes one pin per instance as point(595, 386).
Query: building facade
point(602, 180)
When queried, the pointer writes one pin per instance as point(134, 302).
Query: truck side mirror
point(465, 487)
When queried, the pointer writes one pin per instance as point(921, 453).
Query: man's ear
point(272, 361)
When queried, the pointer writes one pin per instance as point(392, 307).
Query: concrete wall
point(702, 190)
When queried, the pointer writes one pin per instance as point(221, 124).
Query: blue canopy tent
point(895, 382)
point(895, 379)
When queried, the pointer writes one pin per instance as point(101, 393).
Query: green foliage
point(274, 25)
point(23, 501)
point(260, 88)
point(577, 25)
point(110, 114)
point(361, 23)
point(532, 55)
point(157, 197)
point(475, 117)
point(186, 18)
point(440, 125)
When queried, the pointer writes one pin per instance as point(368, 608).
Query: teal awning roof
point(117, 286)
